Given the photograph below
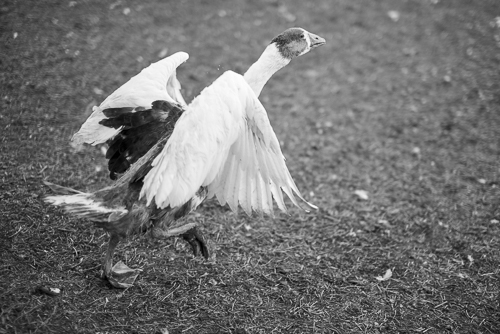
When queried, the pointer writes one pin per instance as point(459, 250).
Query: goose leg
point(197, 241)
point(188, 232)
point(119, 275)
point(114, 240)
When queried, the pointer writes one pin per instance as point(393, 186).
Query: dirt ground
point(402, 105)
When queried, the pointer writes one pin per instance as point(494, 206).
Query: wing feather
point(247, 200)
point(267, 200)
point(278, 197)
point(251, 175)
point(155, 82)
point(229, 188)
point(223, 141)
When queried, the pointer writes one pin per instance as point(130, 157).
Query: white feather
point(156, 82)
point(224, 140)
point(84, 205)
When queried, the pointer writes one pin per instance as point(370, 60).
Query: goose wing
point(223, 141)
point(140, 130)
point(156, 82)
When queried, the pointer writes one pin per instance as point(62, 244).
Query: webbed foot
point(197, 241)
point(121, 276)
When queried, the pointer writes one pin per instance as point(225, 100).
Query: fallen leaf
point(163, 53)
point(49, 291)
point(387, 275)
point(384, 222)
point(362, 194)
point(394, 15)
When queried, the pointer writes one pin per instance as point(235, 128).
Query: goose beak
point(316, 40)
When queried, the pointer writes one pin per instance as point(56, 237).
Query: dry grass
point(407, 111)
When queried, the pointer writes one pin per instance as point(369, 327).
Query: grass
point(407, 111)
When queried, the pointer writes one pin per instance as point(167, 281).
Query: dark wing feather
point(133, 151)
point(141, 130)
point(146, 166)
point(134, 119)
point(114, 112)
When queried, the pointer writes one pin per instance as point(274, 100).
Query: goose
point(168, 157)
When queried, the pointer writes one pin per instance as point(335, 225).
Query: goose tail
point(83, 205)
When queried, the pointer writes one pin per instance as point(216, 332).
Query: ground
point(402, 104)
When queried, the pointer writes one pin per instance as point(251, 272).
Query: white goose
point(175, 156)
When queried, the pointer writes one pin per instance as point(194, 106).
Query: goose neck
point(263, 69)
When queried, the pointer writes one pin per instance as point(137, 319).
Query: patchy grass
point(407, 111)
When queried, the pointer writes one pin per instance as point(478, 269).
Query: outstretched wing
point(156, 82)
point(223, 141)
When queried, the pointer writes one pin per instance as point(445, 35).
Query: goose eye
point(302, 36)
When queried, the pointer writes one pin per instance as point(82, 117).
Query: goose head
point(295, 42)
point(291, 43)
